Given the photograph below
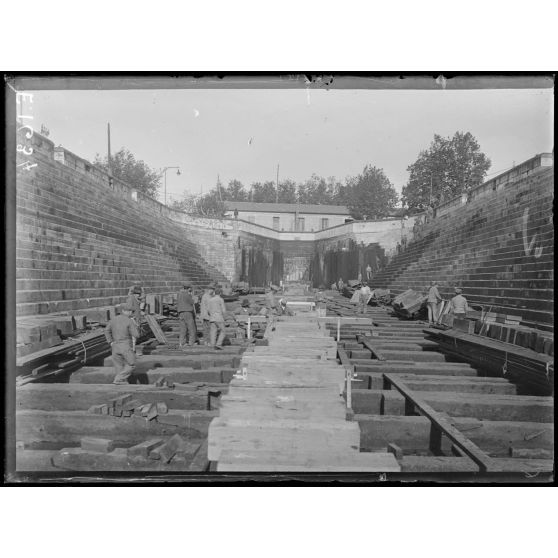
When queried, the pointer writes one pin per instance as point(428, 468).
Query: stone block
point(393, 403)
point(100, 445)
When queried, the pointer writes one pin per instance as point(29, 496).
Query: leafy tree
point(136, 173)
point(208, 205)
point(234, 192)
point(263, 192)
point(318, 190)
point(450, 167)
point(287, 191)
point(369, 194)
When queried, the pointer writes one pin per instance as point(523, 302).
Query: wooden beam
point(156, 329)
point(345, 361)
point(482, 459)
point(371, 347)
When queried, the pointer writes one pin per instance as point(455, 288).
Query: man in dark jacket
point(186, 316)
point(120, 332)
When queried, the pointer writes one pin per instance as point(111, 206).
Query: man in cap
point(216, 309)
point(363, 297)
point(458, 304)
point(243, 311)
point(136, 296)
point(204, 312)
point(186, 316)
point(120, 333)
point(433, 301)
point(270, 302)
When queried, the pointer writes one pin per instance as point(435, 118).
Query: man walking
point(458, 304)
point(433, 302)
point(204, 312)
point(120, 332)
point(368, 272)
point(217, 311)
point(136, 295)
point(363, 297)
point(186, 316)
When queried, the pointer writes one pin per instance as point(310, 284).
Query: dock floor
point(288, 413)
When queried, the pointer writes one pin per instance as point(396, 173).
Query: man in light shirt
point(433, 302)
point(217, 311)
point(204, 313)
point(363, 297)
point(458, 304)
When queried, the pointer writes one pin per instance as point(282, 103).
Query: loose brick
point(168, 450)
point(99, 445)
point(396, 450)
point(143, 449)
point(162, 408)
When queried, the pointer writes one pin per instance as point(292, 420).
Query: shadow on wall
point(259, 267)
point(346, 263)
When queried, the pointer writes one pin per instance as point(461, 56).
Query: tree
point(369, 194)
point(136, 173)
point(287, 191)
point(263, 192)
point(318, 190)
point(208, 205)
point(450, 167)
point(234, 192)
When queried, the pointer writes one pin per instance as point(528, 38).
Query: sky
point(245, 133)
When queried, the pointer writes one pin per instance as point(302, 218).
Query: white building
point(292, 217)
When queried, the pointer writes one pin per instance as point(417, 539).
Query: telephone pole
point(277, 188)
point(108, 157)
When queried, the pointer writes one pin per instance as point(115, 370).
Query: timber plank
point(462, 442)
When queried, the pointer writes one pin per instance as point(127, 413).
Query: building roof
point(288, 208)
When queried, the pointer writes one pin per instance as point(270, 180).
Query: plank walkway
point(287, 414)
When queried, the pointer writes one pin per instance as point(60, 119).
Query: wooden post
point(338, 329)
point(348, 376)
point(249, 329)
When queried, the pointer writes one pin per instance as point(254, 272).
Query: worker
point(216, 309)
point(186, 316)
point(433, 302)
point(368, 272)
point(359, 278)
point(340, 284)
point(243, 311)
point(204, 312)
point(363, 297)
point(120, 333)
point(270, 302)
point(458, 304)
point(283, 309)
point(136, 299)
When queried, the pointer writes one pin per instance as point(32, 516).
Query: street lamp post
point(164, 172)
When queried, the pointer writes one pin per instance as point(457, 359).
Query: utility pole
point(108, 158)
point(277, 188)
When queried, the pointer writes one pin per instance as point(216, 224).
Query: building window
point(300, 224)
point(276, 223)
point(325, 223)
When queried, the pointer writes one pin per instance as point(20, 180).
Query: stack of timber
point(532, 370)
point(439, 413)
point(84, 349)
point(52, 421)
point(284, 413)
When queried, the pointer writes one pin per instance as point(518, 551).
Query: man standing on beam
point(120, 333)
point(186, 316)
